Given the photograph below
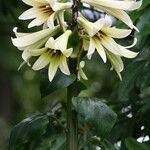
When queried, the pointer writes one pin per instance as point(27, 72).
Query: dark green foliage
point(97, 114)
point(108, 146)
point(30, 129)
point(60, 81)
point(132, 72)
point(132, 144)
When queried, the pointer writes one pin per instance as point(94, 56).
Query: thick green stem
point(72, 91)
point(72, 118)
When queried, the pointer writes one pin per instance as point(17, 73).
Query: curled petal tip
point(15, 29)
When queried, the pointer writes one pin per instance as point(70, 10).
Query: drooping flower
point(101, 38)
point(55, 53)
point(45, 11)
point(117, 8)
point(29, 41)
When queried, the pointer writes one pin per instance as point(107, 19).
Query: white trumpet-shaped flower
point(55, 53)
point(45, 11)
point(29, 41)
point(101, 38)
point(117, 8)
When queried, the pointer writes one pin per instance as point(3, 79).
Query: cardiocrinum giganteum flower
point(41, 44)
point(45, 12)
point(35, 40)
point(117, 8)
point(100, 36)
point(55, 53)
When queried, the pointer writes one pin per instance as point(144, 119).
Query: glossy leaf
point(130, 75)
point(108, 146)
point(28, 130)
point(132, 144)
point(97, 114)
point(60, 81)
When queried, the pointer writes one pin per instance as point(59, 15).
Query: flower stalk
point(72, 118)
point(72, 90)
point(75, 8)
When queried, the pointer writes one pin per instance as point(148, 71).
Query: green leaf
point(145, 30)
point(59, 144)
point(132, 144)
point(55, 142)
point(47, 146)
point(60, 81)
point(143, 82)
point(146, 106)
point(28, 130)
point(103, 144)
point(97, 114)
point(130, 75)
point(108, 146)
point(141, 24)
point(145, 4)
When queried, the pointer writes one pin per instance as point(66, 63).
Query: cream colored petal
point(100, 50)
point(117, 49)
point(64, 66)
point(32, 38)
point(42, 61)
point(91, 28)
point(51, 2)
point(116, 33)
point(29, 14)
point(37, 52)
point(100, 23)
point(108, 21)
point(61, 21)
point(126, 53)
point(35, 2)
point(121, 15)
point(82, 75)
point(26, 56)
point(19, 34)
point(61, 6)
point(116, 63)
point(50, 43)
point(110, 45)
point(38, 21)
point(91, 48)
point(82, 64)
point(51, 19)
point(36, 45)
point(53, 69)
point(67, 52)
point(62, 41)
point(116, 4)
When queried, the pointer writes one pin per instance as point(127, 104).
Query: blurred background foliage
point(20, 94)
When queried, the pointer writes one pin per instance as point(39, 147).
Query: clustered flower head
point(51, 46)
